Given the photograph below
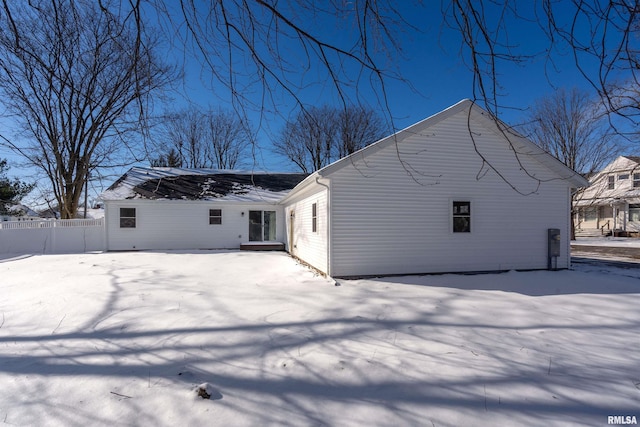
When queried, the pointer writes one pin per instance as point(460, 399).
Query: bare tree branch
point(602, 37)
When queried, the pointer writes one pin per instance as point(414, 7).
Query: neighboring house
point(612, 202)
point(173, 208)
point(455, 192)
point(19, 212)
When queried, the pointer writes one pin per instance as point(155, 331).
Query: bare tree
point(78, 77)
point(570, 125)
point(359, 127)
point(229, 138)
point(309, 139)
point(197, 139)
point(321, 135)
point(185, 133)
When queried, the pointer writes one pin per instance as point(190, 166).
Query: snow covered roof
point(22, 210)
point(202, 184)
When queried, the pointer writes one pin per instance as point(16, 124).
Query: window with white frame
point(314, 217)
point(612, 182)
point(634, 213)
point(623, 177)
point(461, 217)
point(127, 217)
point(636, 180)
point(215, 216)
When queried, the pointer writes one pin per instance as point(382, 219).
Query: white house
point(173, 208)
point(454, 192)
point(612, 202)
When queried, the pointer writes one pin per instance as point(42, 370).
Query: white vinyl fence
point(61, 236)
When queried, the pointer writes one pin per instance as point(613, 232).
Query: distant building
point(611, 204)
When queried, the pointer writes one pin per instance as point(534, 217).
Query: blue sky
point(435, 73)
point(431, 64)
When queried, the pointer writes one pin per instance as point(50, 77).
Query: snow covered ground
point(125, 339)
point(614, 242)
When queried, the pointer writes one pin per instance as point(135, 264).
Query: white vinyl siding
point(182, 224)
point(393, 218)
point(310, 246)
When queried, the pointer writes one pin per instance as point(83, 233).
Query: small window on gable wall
point(127, 217)
point(636, 180)
point(612, 182)
point(215, 216)
point(623, 177)
point(314, 217)
point(461, 217)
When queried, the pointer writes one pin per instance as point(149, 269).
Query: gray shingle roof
point(201, 184)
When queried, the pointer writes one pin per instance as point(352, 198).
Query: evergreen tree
point(169, 160)
point(11, 191)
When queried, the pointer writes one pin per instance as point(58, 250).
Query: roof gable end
point(524, 146)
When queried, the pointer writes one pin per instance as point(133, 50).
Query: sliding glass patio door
point(262, 226)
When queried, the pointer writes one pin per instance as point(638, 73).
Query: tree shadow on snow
point(531, 283)
point(288, 372)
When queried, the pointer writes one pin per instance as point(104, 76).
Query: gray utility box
point(554, 242)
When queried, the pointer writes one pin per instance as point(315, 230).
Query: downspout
point(329, 234)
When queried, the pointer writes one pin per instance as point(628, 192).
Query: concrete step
point(588, 232)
